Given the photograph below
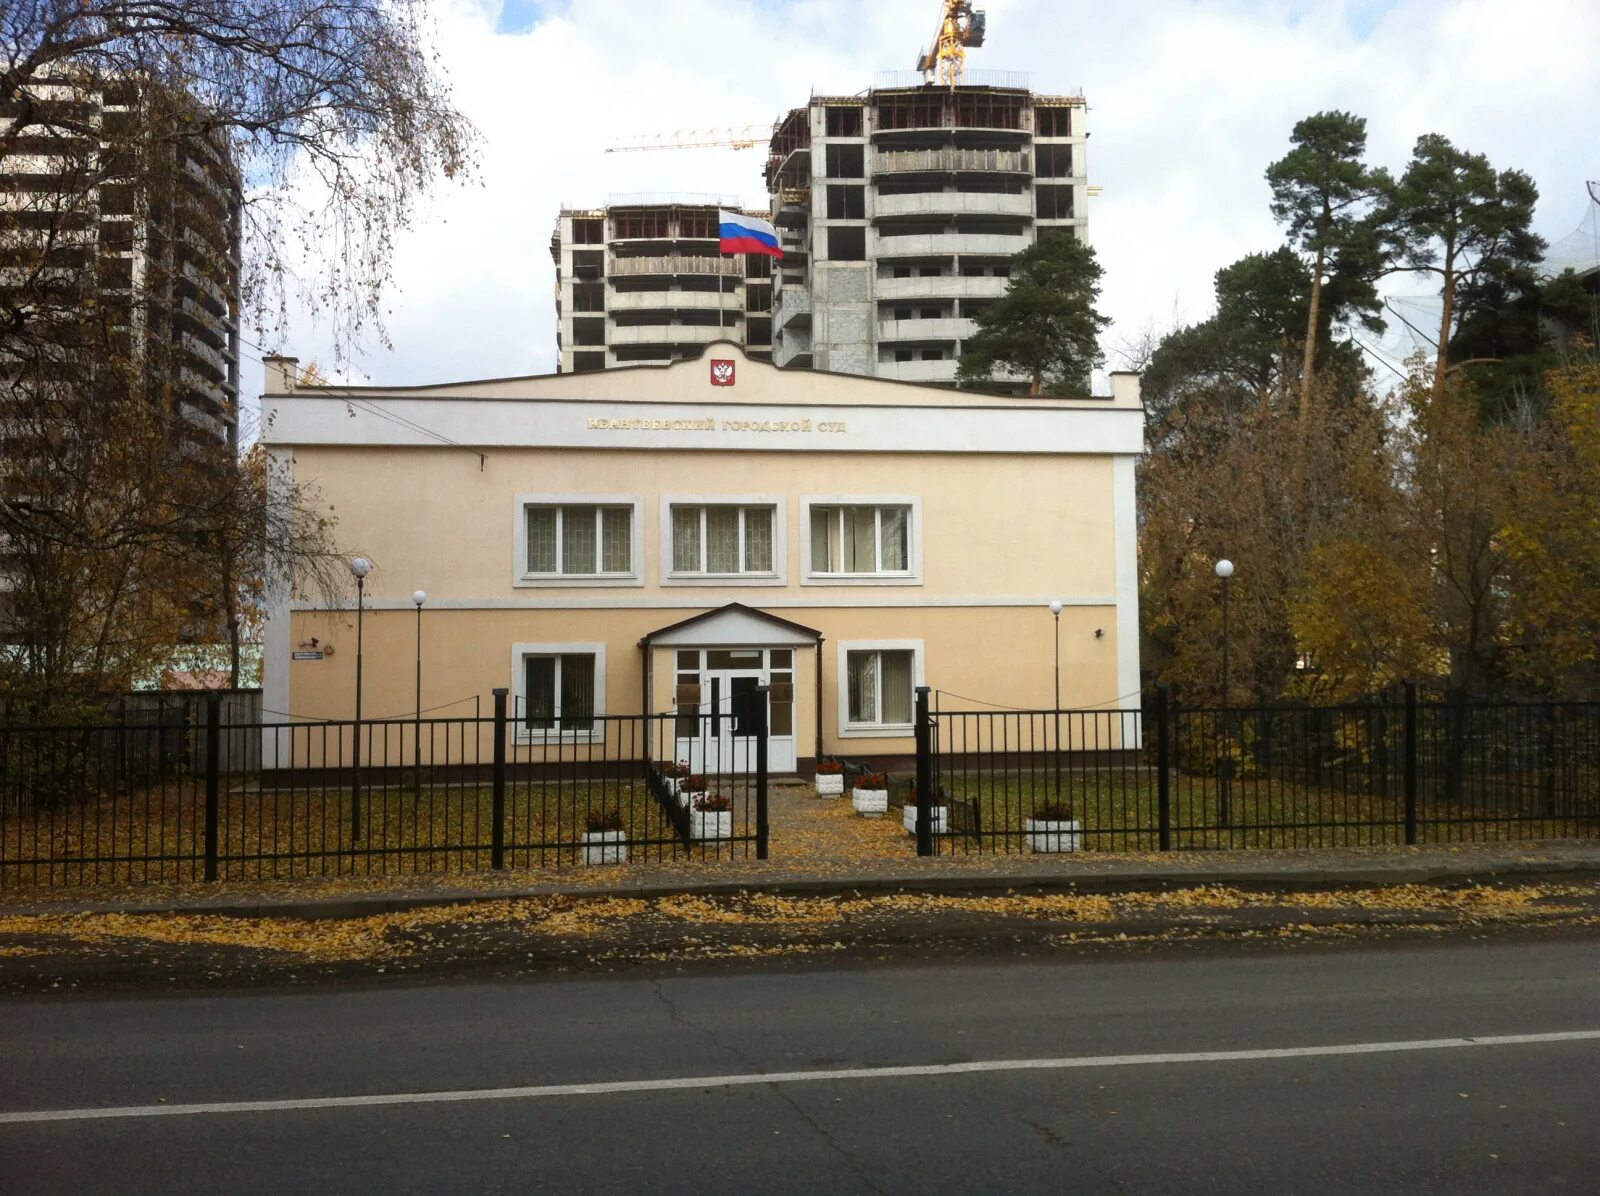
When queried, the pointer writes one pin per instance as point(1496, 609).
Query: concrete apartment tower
point(900, 210)
point(644, 284)
point(156, 246)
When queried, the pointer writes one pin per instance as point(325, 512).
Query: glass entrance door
point(716, 734)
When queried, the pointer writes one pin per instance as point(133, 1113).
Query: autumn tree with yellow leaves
point(1552, 537)
point(1479, 567)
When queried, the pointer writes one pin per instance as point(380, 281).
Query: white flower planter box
point(830, 784)
point(1044, 835)
point(687, 798)
point(711, 824)
point(870, 803)
point(941, 819)
point(671, 784)
point(605, 847)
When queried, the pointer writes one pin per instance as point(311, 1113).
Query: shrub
point(872, 780)
point(603, 820)
point(713, 803)
point(53, 760)
point(829, 768)
point(1053, 811)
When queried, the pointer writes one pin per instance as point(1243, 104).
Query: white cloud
point(1189, 102)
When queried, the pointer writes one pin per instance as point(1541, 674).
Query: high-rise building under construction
point(121, 225)
point(901, 209)
point(643, 282)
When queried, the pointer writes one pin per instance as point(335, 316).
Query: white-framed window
point(723, 540)
point(577, 539)
point(877, 686)
point(863, 541)
point(558, 692)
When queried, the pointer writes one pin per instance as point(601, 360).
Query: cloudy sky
point(1188, 103)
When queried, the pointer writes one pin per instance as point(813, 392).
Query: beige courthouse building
point(607, 543)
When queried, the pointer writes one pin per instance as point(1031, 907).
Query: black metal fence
point(139, 802)
point(175, 799)
point(1166, 777)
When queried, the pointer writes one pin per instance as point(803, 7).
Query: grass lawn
point(1120, 812)
point(159, 835)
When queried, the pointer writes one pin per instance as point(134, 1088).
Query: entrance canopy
point(706, 637)
point(734, 623)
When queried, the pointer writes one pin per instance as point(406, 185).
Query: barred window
point(572, 540)
point(721, 540)
point(558, 692)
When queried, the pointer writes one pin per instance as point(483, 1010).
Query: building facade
point(645, 284)
point(900, 211)
point(626, 542)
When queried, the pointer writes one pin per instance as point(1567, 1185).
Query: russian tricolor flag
point(747, 234)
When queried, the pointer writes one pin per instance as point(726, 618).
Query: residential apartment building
point(635, 540)
point(900, 211)
point(105, 211)
point(644, 284)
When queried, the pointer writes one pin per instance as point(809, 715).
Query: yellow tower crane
point(960, 26)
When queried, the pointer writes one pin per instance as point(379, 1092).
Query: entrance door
point(719, 737)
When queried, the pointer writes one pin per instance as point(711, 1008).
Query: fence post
point(763, 829)
point(497, 850)
point(924, 774)
point(213, 779)
point(1164, 766)
point(1411, 762)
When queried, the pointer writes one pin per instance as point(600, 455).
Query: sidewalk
point(352, 897)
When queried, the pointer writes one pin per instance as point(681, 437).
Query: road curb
point(1364, 874)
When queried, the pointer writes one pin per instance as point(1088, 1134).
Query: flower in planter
point(604, 842)
point(695, 783)
point(680, 769)
point(596, 821)
point(870, 795)
point(938, 814)
point(830, 778)
point(711, 817)
point(1052, 828)
point(1053, 811)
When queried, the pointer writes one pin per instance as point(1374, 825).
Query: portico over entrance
point(707, 669)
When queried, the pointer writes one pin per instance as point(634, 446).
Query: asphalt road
point(1447, 1117)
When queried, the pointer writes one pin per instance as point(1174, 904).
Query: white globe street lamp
point(1224, 571)
point(1055, 614)
point(360, 567)
point(418, 597)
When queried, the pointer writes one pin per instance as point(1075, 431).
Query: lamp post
point(360, 567)
point(417, 599)
point(1055, 614)
point(1224, 571)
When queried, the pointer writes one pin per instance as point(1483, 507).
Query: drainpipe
point(818, 699)
point(644, 701)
